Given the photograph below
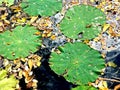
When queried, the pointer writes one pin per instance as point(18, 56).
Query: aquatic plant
point(82, 19)
point(83, 87)
point(19, 42)
point(77, 62)
point(41, 7)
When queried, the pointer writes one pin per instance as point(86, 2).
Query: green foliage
point(83, 87)
point(19, 43)
point(41, 7)
point(7, 83)
point(78, 63)
point(82, 19)
point(9, 2)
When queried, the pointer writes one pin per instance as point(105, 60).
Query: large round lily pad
point(19, 43)
point(82, 19)
point(78, 63)
point(41, 7)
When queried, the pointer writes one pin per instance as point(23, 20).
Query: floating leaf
point(83, 87)
point(19, 43)
point(82, 19)
point(77, 62)
point(41, 7)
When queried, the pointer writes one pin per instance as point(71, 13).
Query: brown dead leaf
point(117, 87)
point(28, 79)
point(15, 8)
point(44, 23)
point(111, 32)
point(29, 85)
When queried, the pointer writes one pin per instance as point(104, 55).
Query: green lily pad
point(83, 87)
point(78, 63)
point(82, 19)
point(41, 7)
point(19, 43)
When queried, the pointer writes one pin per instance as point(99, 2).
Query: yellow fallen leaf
point(16, 8)
point(21, 20)
point(49, 34)
point(86, 41)
point(38, 63)
point(3, 17)
point(7, 22)
point(103, 55)
point(105, 27)
point(105, 84)
point(43, 35)
point(96, 39)
point(1, 23)
point(23, 59)
point(33, 19)
point(34, 84)
point(92, 0)
point(20, 73)
point(111, 64)
point(37, 33)
point(30, 64)
point(53, 37)
point(103, 3)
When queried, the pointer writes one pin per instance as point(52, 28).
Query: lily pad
point(83, 87)
point(41, 7)
point(82, 19)
point(77, 62)
point(19, 43)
